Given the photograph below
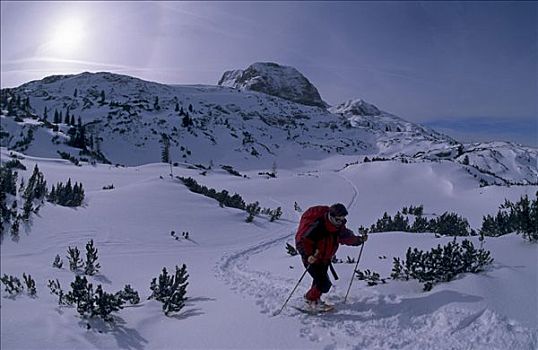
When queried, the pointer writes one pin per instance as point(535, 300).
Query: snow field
point(240, 272)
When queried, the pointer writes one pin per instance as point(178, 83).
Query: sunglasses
point(339, 219)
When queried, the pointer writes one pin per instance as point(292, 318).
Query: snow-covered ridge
point(126, 118)
point(274, 79)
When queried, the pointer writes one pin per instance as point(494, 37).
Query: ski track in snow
point(353, 200)
point(380, 321)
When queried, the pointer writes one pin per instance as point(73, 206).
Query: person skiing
point(321, 230)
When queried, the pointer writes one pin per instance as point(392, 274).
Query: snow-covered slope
point(240, 272)
point(127, 120)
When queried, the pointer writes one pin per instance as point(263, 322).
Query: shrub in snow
point(129, 294)
point(291, 250)
point(12, 285)
point(104, 304)
point(15, 164)
point(90, 266)
point(235, 201)
point(36, 188)
point(15, 229)
point(81, 295)
point(30, 284)
point(93, 304)
point(448, 224)
point(67, 195)
point(372, 278)
point(223, 197)
point(275, 214)
point(8, 181)
point(56, 289)
point(252, 209)
point(440, 264)
point(520, 217)
point(170, 290)
point(58, 263)
point(75, 262)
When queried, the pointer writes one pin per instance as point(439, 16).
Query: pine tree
point(30, 285)
point(27, 209)
point(129, 294)
point(56, 289)
point(177, 107)
point(8, 180)
point(81, 295)
point(171, 290)
point(75, 93)
point(45, 113)
point(91, 267)
point(75, 262)
point(165, 153)
point(102, 96)
point(36, 187)
point(56, 117)
point(252, 209)
point(15, 229)
point(57, 262)
point(104, 304)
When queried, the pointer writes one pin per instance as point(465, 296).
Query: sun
point(67, 37)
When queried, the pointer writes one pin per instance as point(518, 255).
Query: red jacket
point(324, 237)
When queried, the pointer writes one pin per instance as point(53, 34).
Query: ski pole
point(293, 291)
point(353, 274)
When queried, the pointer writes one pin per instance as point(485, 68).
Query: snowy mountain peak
point(355, 107)
point(274, 79)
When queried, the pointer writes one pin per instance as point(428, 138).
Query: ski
point(315, 312)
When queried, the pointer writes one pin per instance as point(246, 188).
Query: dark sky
point(424, 61)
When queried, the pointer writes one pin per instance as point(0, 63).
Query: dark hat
point(338, 209)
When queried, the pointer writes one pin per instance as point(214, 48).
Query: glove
point(313, 258)
point(363, 239)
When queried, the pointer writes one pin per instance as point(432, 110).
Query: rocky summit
point(276, 80)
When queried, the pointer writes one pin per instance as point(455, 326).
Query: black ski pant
point(320, 276)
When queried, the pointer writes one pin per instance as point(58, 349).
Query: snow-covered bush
point(170, 290)
point(440, 264)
